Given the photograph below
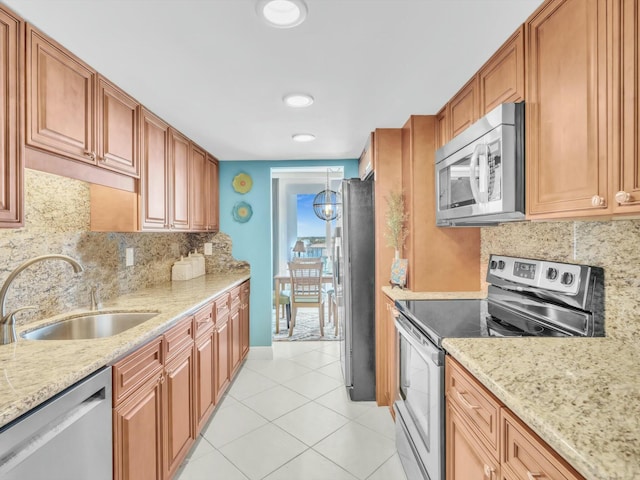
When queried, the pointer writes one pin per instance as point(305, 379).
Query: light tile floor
point(288, 417)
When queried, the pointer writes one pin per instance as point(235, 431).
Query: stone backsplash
point(57, 213)
point(612, 245)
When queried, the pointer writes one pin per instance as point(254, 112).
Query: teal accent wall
point(252, 240)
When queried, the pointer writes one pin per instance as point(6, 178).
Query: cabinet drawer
point(178, 338)
point(134, 370)
point(476, 404)
point(234, 299)
point(221, 306)
point(203, 320)
point(527, 456)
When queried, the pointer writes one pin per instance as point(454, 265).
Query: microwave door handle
point(473, 164)
point(483, 178)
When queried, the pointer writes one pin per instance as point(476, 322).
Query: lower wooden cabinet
point(138, 414)
point(244, 317)
point(179, 420)
point(485, 440)
point(391, 336)
point(223, 351)
point(466, 458)
point(166, 391)
point(205, 377)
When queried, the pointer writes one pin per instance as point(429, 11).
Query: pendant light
point(326, 204)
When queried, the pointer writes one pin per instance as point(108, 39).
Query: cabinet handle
point(91, 155)
point(488, 471)
point(598, 201)
point(465, 402)
point(161, 379)
point(533, 476)
point(623, 197)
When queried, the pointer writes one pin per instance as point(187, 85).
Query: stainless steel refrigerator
point(354, 279)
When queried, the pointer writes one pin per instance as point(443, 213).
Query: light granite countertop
point(34, 371)
point(396, 293)
point(581, 395)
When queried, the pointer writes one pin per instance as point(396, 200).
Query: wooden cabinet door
point(465, 457)
point(212, 194)
point(118, 129)
point(60, 100)
point(566, 114)
point(154, 176)
point(244, 317)
point(223, 352)
point(198, 189)
point(11, 88)
point(501, 79)
point(137, 433)
point(626, 171)
point(179, 420)
point(463, 108)
point(392, 355)
point(180, 165)
point(204, 378)
point(442, 127)
point(236, 340)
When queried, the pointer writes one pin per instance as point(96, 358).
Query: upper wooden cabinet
point(567, 109)
point(60, 100)
point(117, 141)
point(11, 89)
point(178, 183)
point(198, 188)
point(625, 177)
point(463, 108)
point(212, 194)
point(442, 127)
point(154, 144)
point(501, 79)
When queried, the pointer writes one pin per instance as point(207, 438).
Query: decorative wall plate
point(242, 212)
point(242, 183)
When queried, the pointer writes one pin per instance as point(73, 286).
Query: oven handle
point(427, 350)
point(479, 189)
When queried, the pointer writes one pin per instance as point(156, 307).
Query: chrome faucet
point(7, 321)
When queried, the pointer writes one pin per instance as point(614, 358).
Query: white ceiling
point(216, 72)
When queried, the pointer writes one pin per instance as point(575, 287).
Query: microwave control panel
point(552, 276)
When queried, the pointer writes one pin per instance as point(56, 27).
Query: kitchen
point(609, 244)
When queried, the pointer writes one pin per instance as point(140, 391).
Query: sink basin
point(90, 325)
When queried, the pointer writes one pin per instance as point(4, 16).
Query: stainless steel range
point(525, 298)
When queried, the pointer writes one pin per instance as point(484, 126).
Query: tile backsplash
point(57, 212)
point(612, 245)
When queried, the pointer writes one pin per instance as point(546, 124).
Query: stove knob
point(501, 265)
point(552, 273)
point(567, 278)
point(492, 265)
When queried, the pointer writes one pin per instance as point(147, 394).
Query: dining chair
point(306, 289)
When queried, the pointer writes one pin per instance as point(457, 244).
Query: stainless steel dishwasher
point(66, 438)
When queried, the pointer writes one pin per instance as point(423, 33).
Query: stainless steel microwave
point(480, 172)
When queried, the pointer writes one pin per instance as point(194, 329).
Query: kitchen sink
point(90, 325)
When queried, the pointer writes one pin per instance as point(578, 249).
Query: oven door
point(420, 404)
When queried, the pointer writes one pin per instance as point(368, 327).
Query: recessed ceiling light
point(282, 13)
point(298, 100)
point(303, 137)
